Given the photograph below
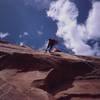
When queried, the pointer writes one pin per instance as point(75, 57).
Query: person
point(51, 43)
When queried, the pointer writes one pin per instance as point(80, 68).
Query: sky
point(75, 23)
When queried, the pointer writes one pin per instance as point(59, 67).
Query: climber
point(51, 43)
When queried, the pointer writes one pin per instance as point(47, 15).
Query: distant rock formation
point(26, 74)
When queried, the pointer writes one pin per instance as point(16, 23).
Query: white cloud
point(3, 35)
point(93, 24)
point(39, 4)
point(25, 34)
point(97, 49)
point(75, 35)
point(39, 32)
point(21, 43)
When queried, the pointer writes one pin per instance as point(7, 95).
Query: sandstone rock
point(26, 74)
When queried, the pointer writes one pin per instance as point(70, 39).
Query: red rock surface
point(26, 74)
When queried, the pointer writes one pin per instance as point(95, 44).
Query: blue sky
point(84, 7)
point(27, 22)
point(17, 18)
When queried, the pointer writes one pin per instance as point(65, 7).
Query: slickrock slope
point(26, 74)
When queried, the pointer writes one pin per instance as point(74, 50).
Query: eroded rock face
point(66, 72)
point(24, 62)
point(38, 94)
point(26, 74)
point(9, 92)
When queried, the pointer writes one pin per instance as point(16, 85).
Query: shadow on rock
point(63, 76)
point(24, 62)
